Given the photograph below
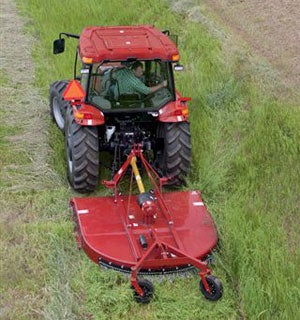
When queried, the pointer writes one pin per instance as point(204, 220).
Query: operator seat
point(110, 87)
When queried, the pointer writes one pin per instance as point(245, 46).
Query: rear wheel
point(82, 148)
point(174, 151)
point(58, 106)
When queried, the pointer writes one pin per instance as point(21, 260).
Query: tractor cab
point(108, 55)
point(115, 86)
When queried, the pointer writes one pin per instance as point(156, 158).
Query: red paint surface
point(107, 232)
point(117, 43)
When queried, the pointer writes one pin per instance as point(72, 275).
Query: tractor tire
point(82, 152)
point(174, 154)
point(58, 106)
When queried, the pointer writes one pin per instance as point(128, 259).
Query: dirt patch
point(268, 29)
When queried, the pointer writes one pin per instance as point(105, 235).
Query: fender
point(88, 115)
point(84, 114)
point(175, 111)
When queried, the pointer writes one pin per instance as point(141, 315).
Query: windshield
point(135, 85)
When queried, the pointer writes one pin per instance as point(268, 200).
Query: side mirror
point(58, 46)
point(178, 67)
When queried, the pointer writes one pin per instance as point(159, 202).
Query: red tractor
point(124, 101)
point(109, 107)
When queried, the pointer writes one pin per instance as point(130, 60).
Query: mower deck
point(147, 233)
point(111, 236)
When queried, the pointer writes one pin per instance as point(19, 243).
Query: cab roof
point(120, 43)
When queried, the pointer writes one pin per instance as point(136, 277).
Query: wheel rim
point(212, 287)
point(57, 112)
point(147, 292)
point(69, 153)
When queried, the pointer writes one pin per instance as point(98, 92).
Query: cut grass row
point(245, 160)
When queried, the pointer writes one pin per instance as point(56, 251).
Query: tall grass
point(245, 160)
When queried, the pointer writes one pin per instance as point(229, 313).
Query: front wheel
point(82, 151)
point(173, 153)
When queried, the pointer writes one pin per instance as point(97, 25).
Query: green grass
point(245, 160)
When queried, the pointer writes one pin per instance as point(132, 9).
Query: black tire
point(148, 290)
point(174, 153)
point(58, 106)
point(82, 149)
point(216, 288)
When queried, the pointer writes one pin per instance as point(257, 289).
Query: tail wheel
point(58, 106)
point(148, 290)
point(82, 147)
point(174, 151)
point(215, 286)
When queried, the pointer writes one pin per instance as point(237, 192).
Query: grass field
point(246, 151)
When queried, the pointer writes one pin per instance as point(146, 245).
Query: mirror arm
point(69, 35)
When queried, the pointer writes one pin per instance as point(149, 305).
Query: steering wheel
point(154, 79)
point(148, 96)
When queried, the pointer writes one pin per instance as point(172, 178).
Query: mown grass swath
point(245, 160)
